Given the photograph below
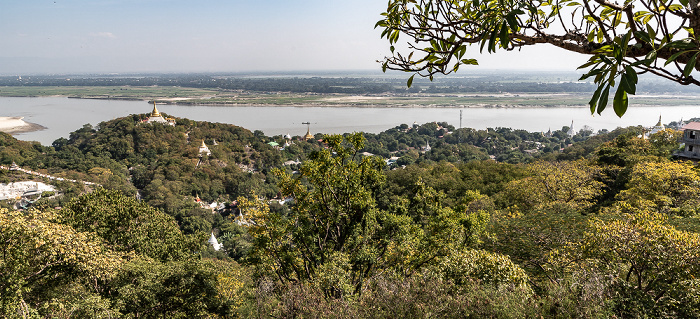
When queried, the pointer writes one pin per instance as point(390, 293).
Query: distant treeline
point(539, 83)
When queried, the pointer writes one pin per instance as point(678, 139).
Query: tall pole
point(460, 118)
point(459, 140)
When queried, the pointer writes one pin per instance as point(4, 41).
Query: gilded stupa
point(657, 128)
point(156, 117)
point(203, 149)
point(308, 135)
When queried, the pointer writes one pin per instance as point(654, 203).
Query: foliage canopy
point(623, 39)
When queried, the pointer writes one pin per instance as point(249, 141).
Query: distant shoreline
point(15, 125)
point(222, 98)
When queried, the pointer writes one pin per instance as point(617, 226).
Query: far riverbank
point(61, 116)
point(173, 95)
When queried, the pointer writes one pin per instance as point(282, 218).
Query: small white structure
point(571, 131)
point(427, 147)
point(203, 149)
point(214, 243)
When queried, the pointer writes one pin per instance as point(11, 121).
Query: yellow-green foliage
point(648, 257)
point(483, 266)
point(571, 183)
point(668, 187)
point(40, 255)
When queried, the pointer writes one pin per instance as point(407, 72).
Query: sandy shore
point(14, 125)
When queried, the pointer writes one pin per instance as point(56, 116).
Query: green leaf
point(410, 81)
point(603, 101)
point(673, 57)
point(627, 85)
point(650, 58)
point(643, 36)
point(620, 102)
point(594, 100)
point(632, 74)
point(625, 42)
point(651, 32)
point(492, 40)
point(505, 40)
point(587, 64)
point(470, 61)
point(512, 22)
point(690, 65)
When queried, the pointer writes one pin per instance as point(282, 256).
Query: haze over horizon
point(177, 36)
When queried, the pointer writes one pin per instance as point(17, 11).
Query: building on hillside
point(308, 135)
point(156, 117)
point(691, 138)
point(571, 131)
point(427, 147)
point(18, 190)
point(214, 243)
point(657, 128)
point(204, 150)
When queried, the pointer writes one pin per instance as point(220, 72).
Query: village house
point(691, 138)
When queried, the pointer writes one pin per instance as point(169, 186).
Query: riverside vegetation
point(583, 227)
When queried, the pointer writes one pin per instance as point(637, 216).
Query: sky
point(177, 36)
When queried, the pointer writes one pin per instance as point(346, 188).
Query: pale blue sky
point(124, 36)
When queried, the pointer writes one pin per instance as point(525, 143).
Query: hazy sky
point(124, 36)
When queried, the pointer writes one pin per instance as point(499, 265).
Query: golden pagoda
point(203, 149)
point(308, 135)
point(155, 112)
point(156, 117)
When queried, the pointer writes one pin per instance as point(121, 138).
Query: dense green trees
point(607, 229)
point(106, 255)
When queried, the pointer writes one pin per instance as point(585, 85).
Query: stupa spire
point(155, 112)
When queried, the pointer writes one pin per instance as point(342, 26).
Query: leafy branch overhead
point(624, 39)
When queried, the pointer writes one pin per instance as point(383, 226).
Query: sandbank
point(16, 124)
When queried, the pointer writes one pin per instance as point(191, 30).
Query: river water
point(62, 115)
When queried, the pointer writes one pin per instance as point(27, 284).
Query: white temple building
point(156, 117)
point(203, 149)
point(657, 128)
point(571, 131)
point(214, 243)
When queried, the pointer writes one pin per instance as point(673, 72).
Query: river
point(62, 115)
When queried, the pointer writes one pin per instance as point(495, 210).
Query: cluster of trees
point(606, 227)
point(105, 255)
point(611, 234)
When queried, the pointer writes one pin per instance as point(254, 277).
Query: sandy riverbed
point(13, 125)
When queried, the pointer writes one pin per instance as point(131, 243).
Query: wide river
point(62, 115)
